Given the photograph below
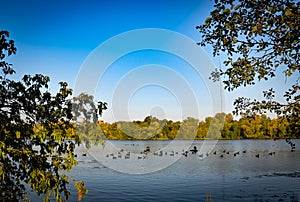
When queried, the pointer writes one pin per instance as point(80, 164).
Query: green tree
point(283, 126)
point(215, 126)
point(226, 132)
point(86, 115)
point(188, 129)
point(174, 128)
point(85, 110)
point(257, 37)
point(235, 131)
point(251, 127)
point(266, 126)
point(142, 130)
point(206, 127)
point(202, 130)
point(35, 127)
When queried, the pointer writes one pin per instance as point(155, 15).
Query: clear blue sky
point(55, 37)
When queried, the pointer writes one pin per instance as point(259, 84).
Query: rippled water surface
point(231, 170)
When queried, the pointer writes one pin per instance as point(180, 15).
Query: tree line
point(220, 126)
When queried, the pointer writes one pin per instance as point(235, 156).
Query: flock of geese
point(144, 154)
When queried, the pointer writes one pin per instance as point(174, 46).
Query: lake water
point(227, 170)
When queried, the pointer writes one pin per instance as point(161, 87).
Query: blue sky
point(56, 37)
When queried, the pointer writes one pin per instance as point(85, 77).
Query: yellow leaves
point(9, 149)
point(237, 6)
point(235, 81)
point(1, 173)
point(281, 7)
point(40, 132)
point(214, 13)
point(2, 149)
point(288, 73)
point(272, 9)
point(18, 134)
point(81, 191)
point(207, 21)
point(225, 41)
point(288, 12)
point(257, 29)
point(69, 162)
point(225, 11)
point(234, 39)
point(228, 24)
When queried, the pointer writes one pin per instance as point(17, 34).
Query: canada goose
point(185, 153)
point(195, 150)
point(272, 153)
point(147, 149)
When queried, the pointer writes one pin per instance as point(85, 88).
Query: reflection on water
point(233, 170)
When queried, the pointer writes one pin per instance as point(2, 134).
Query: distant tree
point(37, 139)
point(226, 132)
point(188, 129)
point(251, 127)
point(85, 109)
point(266, 130)
point(257, 37)
point(86, 115)
point(215, 125)
point(201, 132)
point(235, 132)
point(171, 129)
